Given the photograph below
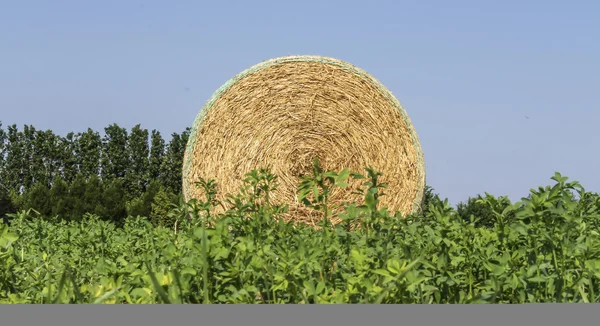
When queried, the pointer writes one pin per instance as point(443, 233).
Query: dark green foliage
point(68, 167)
point(37, 157)
point(170, 170)
point(115, 158)
point(6, 206)
point(142, 206)
point(12, 175)
point(157, 150)
point(77, 192)
point(27, 166)
point(4, 190)
point(47, 153)
point(59, 198)
point(161, 206)
point(88, 152)
point(93, 197)
point(430, 198)
point(38, 198)
point(114, 201)
point(16, 200)
point(148, 197)
point(86, 162)
point(135, 207)
point(472, 208)
point(137, 172)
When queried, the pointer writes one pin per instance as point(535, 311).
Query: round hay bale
point(284, 112)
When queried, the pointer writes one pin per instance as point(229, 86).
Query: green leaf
point(341, 178)
point(140, 292)
point(320, 287)
point(393, 266)
point(494, 268)
point(11, 237)
point(188, 271)
point(370, 201)
point(382, 272)
point(537, 279)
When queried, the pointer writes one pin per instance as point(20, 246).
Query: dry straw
point(284, 112)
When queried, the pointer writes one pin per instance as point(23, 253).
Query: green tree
point(77, 190)
point(161, 206)
point(28, 168)
point(185, 136)
point(12, 174)
point(429, 198)
point(59, 199)
point(114, 201)
point(135, 207)
point(68, 161)
point(6, 206)
point(44, 157)
point(157, 150)
point(148, 196)
point(483, 213)
point(2, 147)
point(142, 206)
point(115, 158)
point(137, 170)
point(35, 155)
point(4, 190)
point(93, 196)
point(88, 152)
point(172, 163)
point(52, 156)
point(37, 197)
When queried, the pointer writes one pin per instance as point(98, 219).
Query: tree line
point(118, 174)
point(115, 174)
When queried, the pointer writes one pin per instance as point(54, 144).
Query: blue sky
point(467, 72)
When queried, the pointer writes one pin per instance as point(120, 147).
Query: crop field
point(545, 248)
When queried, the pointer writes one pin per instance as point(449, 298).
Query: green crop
point(545, 248)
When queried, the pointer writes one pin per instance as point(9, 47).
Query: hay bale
point(284, 112)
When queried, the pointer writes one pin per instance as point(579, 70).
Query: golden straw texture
point(284, 112)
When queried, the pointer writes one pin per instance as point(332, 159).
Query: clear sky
point(502, 93)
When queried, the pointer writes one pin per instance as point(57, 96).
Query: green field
point(545, 248)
